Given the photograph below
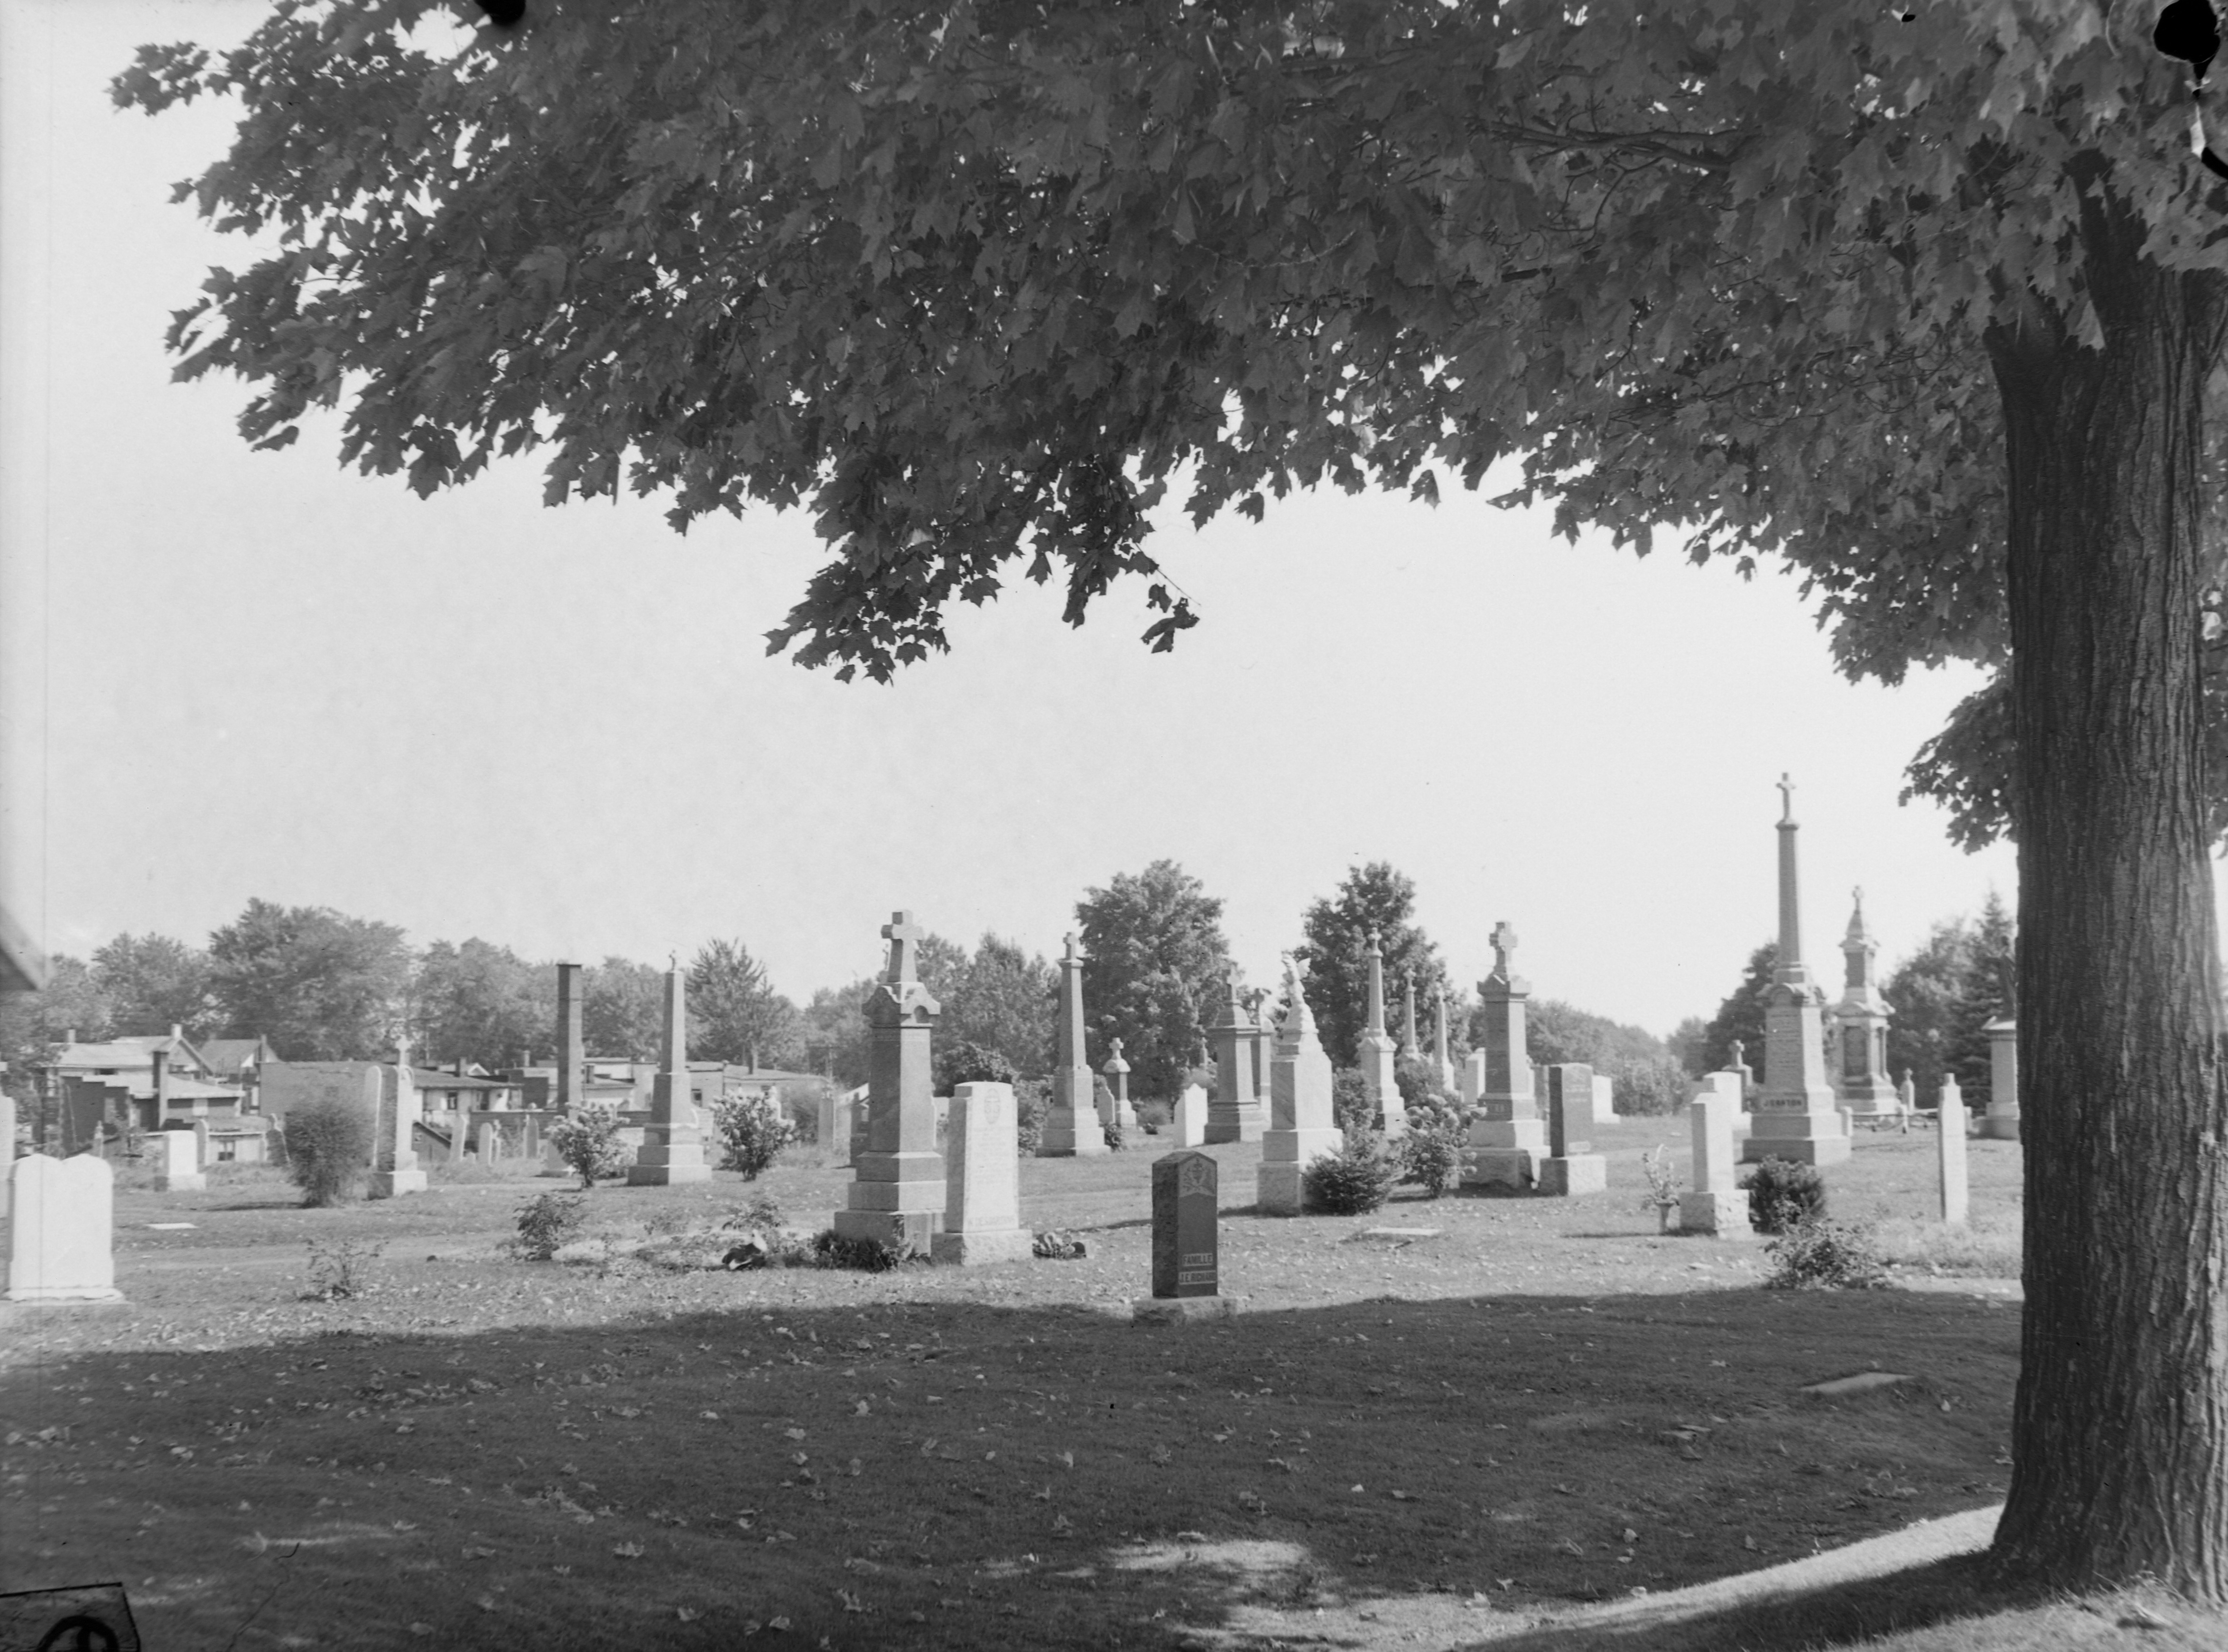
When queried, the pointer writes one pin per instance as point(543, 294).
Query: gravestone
point(1186, 1237)
point(1235, 1114)
point(1572, 1167)
point(1955, 1200)
point(7, 1151)
point(394, 1168)
point(1072, 1126)
point(1469, 1083)
point(60, 1227)
point(1303, 1123)
point(2001, 1122)
point(204, 1155)
point(1860, 1025)
point(1508, 1139)
point(487, 1140)
point(1714, 1204)
point(672, 1150)
point(897, 1189)
point(1604, 1101)
point(1263, 1041)
point(982, 1179)
point(177, 1166)
point(1795, 1115)
point(1119, 1112)
point(857, 1106)
point(1191, 1117)
point(827, 1118)
point(1378, 1054)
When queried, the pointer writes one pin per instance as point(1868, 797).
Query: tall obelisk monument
point(1796, 1115)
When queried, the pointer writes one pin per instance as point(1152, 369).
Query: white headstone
point(1604, 1101)
point(1714, 1204)
point(1469, 1083)
point(1955, 1200)
point(62, 1228)
point(1303, 1126)
point(177, 1161)
point(1191, 1117)
point(7, 1151)
point(982, 1179)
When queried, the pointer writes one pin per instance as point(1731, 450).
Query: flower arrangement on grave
point(1662, 1186)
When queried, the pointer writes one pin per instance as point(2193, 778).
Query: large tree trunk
point(2120, 1428)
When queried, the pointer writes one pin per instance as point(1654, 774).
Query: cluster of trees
point(1943, 996)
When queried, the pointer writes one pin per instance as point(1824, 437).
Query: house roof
point(442, 1078)
point(229, 1055)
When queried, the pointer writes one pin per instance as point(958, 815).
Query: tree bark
point(2120, 1425)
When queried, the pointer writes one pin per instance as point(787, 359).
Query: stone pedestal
point(898, 1192)
point(1236, 1114)
point(1714, 1205)
point(1571, 1166)
point(1072, 1126)
point(1189, 1121)
point(672, 1149)
point(177, 1162)
point(394, 1169)
point(982, 1188)
point(2001, 1122)
point(1578, 1174)
point(1508, 1138)
point(1303, 1124)
point(1956, 1202)
point(61, 1226)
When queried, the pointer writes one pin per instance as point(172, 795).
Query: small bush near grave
point(1662, 1186)
point(327, 1142)
point(1058, 1245)
point(588, 1142)
point(1350, 1101)
point(1825, 1256)
point(340, 1268)
point(753, 1131)
point(1430, 1153)
point(1351, 1183)
point(1030, 1100)
point(835, 1249)
point(546, 1223)
point(1783, 1195)
point(1419, 1081)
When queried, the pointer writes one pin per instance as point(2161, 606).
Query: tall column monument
point(672, 1148)
point(897, 1192)
point(1072, 1126)
point(1797, 1115)
point(1508, 1138)
point(1378, 1052)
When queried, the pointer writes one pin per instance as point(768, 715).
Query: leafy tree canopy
point(734, 1014)
point(1740, 1016)
point(320, 985)
point(1334, 960)
point(481, 1002)
point(1155, 974)
point(1001, 1002)
point(153, 983)
point(621, 1009)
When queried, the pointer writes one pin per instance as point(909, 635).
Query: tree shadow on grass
point(963, 1474)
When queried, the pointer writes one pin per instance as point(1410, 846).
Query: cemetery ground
point(1525, 1430)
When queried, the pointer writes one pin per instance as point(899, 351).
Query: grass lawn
point(1473, 1438)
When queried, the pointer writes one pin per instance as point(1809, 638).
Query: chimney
point(70, 1037)
point(162, 1087)
point(570, 1054)
point(458, 1066)
point(177, 1033)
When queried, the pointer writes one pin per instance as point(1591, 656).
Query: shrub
point(1662, 1185)
point(1352, 1181)
point(588, 1142)
point(835, 1249)
point(1783, 1195)
point(753, 1131)
point(1417, 1078)
point(1815, 1255)
point(1649, 1088)
point(962, 1061)
point(1430, 1153)
point(545, 1222)
point(1031, 1098)
point(340, 1268)
point(328, 1147)
point(1350, 1101)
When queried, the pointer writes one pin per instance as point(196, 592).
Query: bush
point(588, 1142)
point(962, 1061)
point(1432, 1151)
point(1031, 1097)
point(546, 1223)
point(753, 1131)
point(328, 1147)
point(1417, 1078)
point(1356, 1179)
point(1649, 1088)
point(835, 1249)
point(340, 1268)
point(1349, 1101)
point(1783, 1195)
point(1825, 1256)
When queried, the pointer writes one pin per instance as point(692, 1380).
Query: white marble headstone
point(1191, 1117)
point(62, 1224)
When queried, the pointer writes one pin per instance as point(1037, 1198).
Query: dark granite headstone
point(1570, 1109)
point(1185, 1187)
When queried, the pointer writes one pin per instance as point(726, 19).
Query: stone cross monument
point(897, 1192)
point(1071, 1129)
point(672, 1148)
point(1861, 1020)
point(395, 1148)
point(1508, 1138)
point(1117, 1083)
point(1378, 1052)
point(1797, 1116)
point(1303, 1126)
point(1235, 1113)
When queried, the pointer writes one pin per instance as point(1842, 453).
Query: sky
point(227, 674)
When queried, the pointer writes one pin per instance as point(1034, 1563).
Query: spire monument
point(1796, 1114)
